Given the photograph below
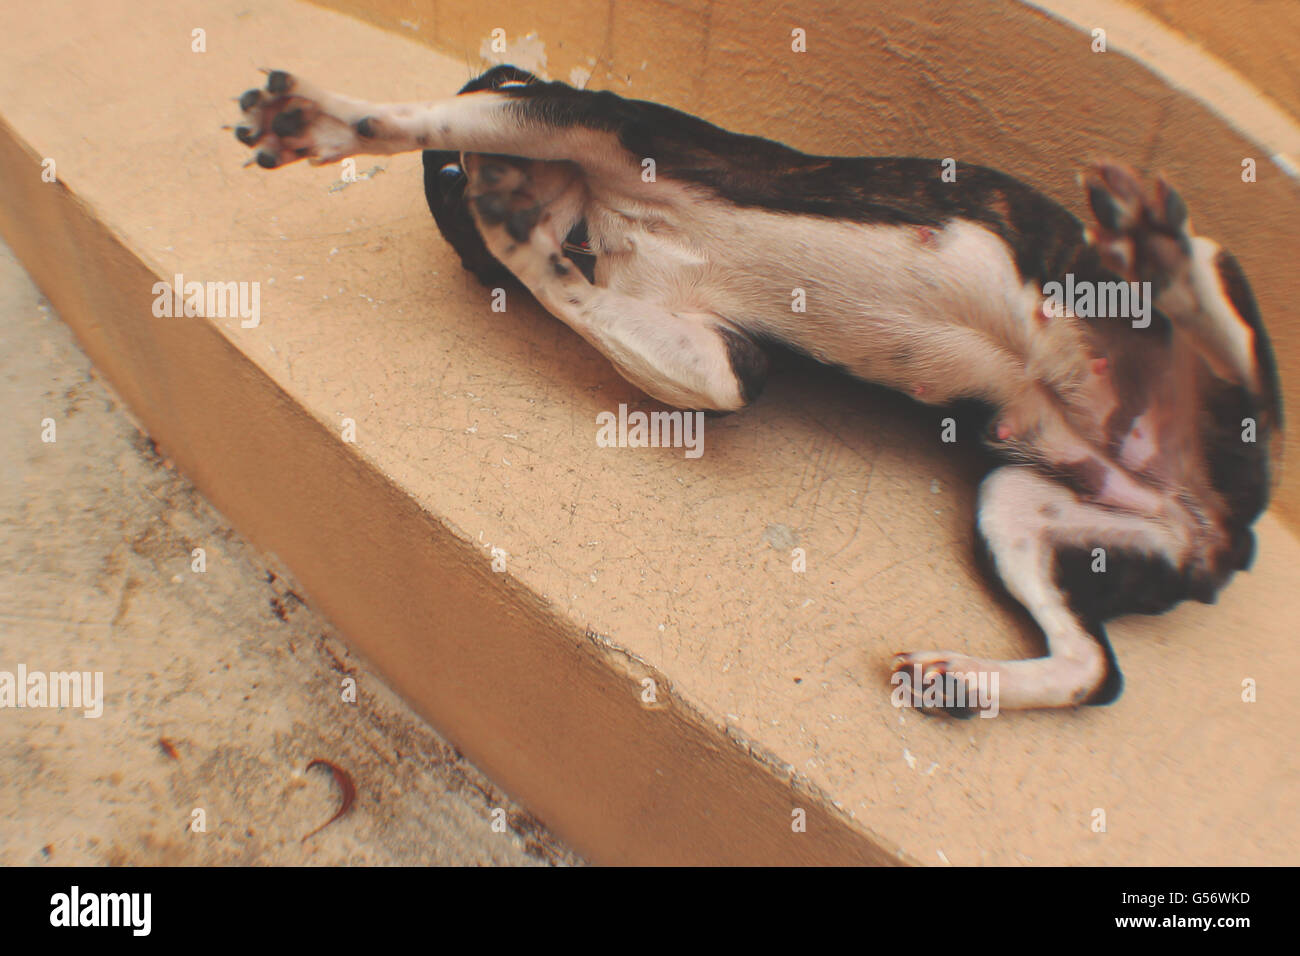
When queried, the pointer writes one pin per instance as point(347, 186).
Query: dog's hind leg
point(1025, 519)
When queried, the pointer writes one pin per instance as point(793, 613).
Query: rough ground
point(220, 687)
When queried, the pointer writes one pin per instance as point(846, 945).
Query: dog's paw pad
point(278, 82)
point(289, 123)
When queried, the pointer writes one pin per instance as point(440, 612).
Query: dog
point(674, 248)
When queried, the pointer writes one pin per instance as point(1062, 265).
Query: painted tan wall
point(987, 81)
point(1260, 39)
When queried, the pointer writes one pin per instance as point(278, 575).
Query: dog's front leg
point(294, 119)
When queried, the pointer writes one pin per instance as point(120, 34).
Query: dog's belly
point(939, 313)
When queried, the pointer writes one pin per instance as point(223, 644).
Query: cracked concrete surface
point(220, 686)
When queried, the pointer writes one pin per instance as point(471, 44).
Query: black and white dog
point(1145, 434)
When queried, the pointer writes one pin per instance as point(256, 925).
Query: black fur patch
point(1086, 476)
point(1239, 294)
point(1112, 686)
point(1133, 583)
point(753, 171)
point(748, 362)
point(1238, 470)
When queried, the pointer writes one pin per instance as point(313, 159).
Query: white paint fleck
point(527, 52)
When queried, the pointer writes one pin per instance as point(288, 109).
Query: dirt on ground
point(220, 685)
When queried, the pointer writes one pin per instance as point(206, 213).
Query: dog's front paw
point(937, 682)
point(289, 120)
